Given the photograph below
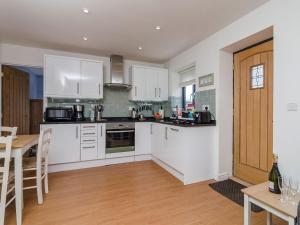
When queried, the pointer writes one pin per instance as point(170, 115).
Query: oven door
point(118, 141)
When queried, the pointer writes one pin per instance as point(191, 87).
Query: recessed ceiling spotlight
point(85, 10)
point(140, 48)
point(157, 27)
point(84, 38)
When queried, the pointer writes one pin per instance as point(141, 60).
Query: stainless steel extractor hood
point(116, 78)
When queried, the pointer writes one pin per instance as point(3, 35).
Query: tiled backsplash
point(206, 98)
point(115, 103)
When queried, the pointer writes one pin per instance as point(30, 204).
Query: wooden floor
point(129, 194)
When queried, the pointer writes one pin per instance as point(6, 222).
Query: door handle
point(159, 91)
point(99, 88)
point(151, 129)
point(101, 130)
point(155, 92)
point(135, 90)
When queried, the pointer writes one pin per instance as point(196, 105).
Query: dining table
point(20, 145)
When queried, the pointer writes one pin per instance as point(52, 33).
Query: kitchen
point(150, 112)
point(98, 140)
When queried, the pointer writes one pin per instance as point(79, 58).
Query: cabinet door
point(158, 140)
point(151, 84)
point(163, 84)
point(91, 85)
point(65, 143)
point(138, 91)
point(174, 156)
point(101, 140)
point(62, 77)
point(142, 138)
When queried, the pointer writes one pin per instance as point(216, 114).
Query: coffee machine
point(78, 112)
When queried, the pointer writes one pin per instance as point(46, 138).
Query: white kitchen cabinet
point(67, 77)
point(163, 84)
point(138, 80)
point(143, 138)
point(65, 143)
point(149, 84)
point(62, 76)
point(89, 142)
point(91, 85)
point(101, 140)
point(158, 140)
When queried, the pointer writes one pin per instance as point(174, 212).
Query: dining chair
point(6, 177)
point(12, 131)
point(38, 165)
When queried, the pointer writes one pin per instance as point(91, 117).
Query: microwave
point(54, 114)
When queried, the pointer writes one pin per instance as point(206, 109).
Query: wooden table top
point(261, 193)
point(23, 140)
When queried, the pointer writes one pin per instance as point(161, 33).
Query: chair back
point(11, 131)
point(43, 145)
point(5, 157)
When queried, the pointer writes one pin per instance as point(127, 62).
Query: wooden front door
point(15, 99)
point(253, 113)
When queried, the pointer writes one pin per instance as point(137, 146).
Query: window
point(257, 76)
point(188, 96)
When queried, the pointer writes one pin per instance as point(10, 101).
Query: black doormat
point(232, 190)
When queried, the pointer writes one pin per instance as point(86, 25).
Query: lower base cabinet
point(65, 143)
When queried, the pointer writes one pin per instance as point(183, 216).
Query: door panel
point(15, 99)
point(253, 113)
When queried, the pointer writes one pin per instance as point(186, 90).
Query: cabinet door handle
point(88, 134)
point(99, 88)
point(89, 126)
point(173, 129)
point(155, 92)
point(159, 91)
point(101, 130)
point(89, 140)
point(151, 129)
point(77, 87)
point(76, 132)
point(135, 90)
point(166, 133)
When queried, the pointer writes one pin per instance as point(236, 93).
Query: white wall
point(34, 57)
point(284, 16)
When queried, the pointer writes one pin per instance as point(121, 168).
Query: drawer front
point(88, 139)
point(91, 126)
point(89, 152)
point(89, 133)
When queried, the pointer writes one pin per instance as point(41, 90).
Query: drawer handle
point(89, 133)
point(88, 127)
point(88, 147)
point(89, 140)
point(173, 129)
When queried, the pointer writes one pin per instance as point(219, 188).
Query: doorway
point(253, 113)
point(22, 98)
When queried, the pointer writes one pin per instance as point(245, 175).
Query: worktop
point(166, 121)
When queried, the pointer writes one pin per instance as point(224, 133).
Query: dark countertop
point(166, 121)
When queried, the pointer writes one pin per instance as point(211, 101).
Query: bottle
point(274, 176)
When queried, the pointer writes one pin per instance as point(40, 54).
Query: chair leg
point(2, 214)
point(39, 185)
point(46, 178)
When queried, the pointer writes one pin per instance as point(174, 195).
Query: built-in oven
point(120, 138)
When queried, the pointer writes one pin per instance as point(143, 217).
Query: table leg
point(247, 210)
point(269, 218)
point(19, 185)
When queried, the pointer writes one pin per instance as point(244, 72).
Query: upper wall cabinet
point(148, 84)
point(73, 78)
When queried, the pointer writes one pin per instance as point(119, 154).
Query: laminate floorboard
point(139, 193)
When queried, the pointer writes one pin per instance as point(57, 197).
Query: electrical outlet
point(204, 106)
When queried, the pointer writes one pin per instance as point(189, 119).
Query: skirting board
point(172, 171)
point(222, 176)
point(95, 163)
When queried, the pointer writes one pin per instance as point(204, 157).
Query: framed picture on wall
point(206, 80)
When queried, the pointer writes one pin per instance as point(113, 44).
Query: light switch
point(292, 106)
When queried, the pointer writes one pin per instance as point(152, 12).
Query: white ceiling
point(118, 26)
